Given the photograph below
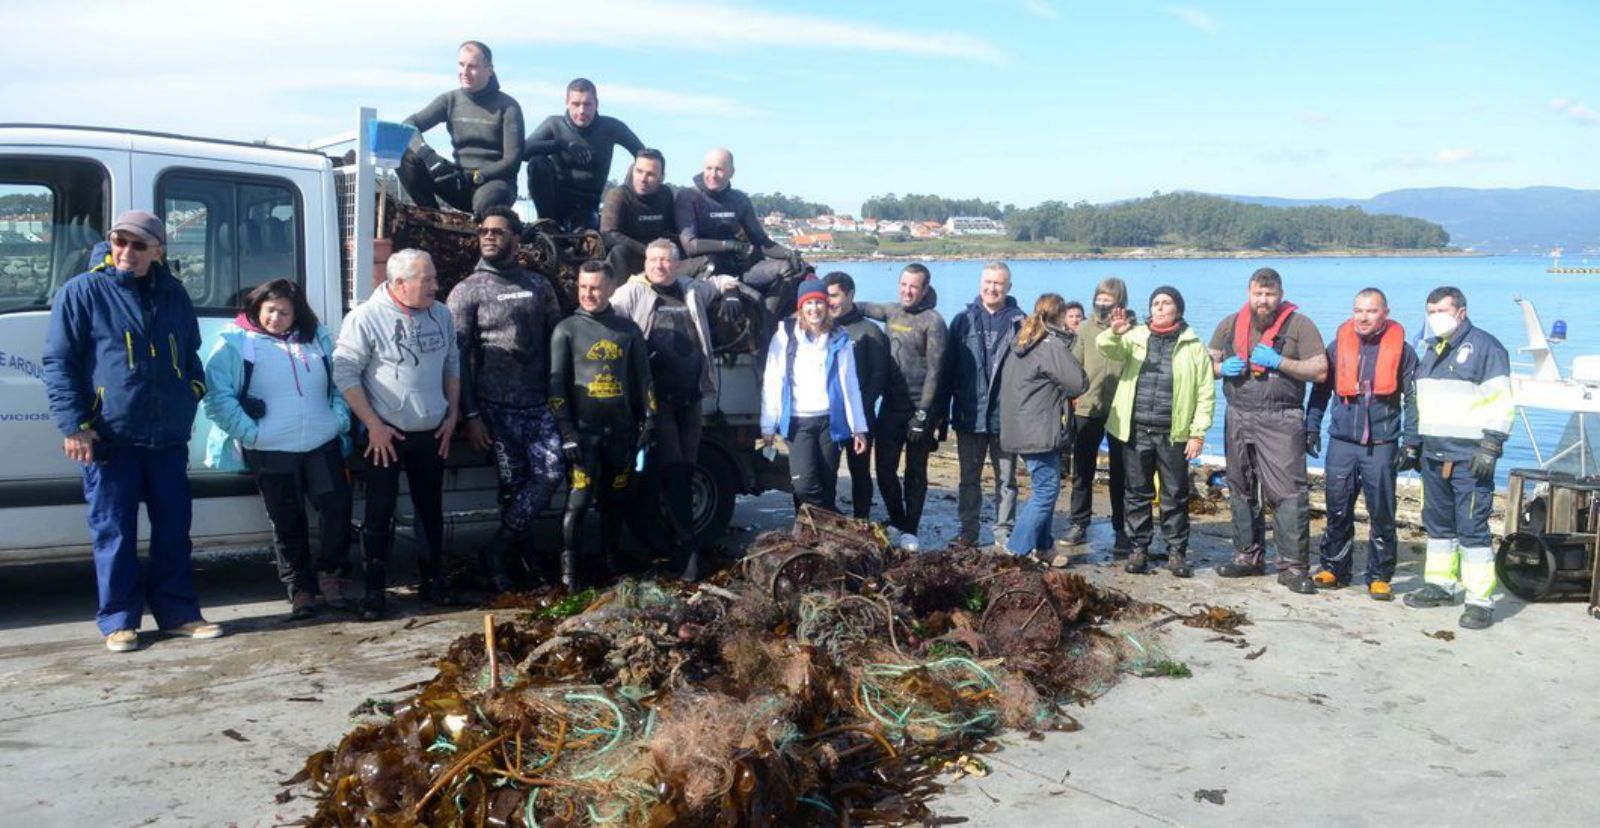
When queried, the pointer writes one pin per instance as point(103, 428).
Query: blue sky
point(1010, 100)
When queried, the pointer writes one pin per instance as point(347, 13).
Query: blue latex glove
point(1266, 357)
point(1233, 367)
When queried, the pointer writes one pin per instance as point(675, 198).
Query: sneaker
point(1431, 595)
point(1241, 569)
point(1475, 617)
point(1075, 536)
point(1297, 582)
point(122, 641)
point(1380, 591)
point(335, 590)
point(909, 542)
point(198, 629)
point(302, 605)
point(1049, 557)
point(1325, 579)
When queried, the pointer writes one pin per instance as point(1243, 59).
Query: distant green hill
point(1207, 222)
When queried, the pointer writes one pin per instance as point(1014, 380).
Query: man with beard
point(1265, 354)
point(718, 230)
point(600, 394)
point(503, 319)
point(569, 157)
point(913, 407)
point(637, 213)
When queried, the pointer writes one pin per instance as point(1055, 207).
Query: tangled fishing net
point(825, 682)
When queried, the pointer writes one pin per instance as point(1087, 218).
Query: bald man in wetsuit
point(718, 227)
point(569, 158)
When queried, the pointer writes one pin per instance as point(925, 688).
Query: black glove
point(1313, 444)
point(1408, 458)
point(254, 408)
point(797, 262)
point(918, 432)
point(738, 248)
point(441, 170)
point(572, 452)
point(579, 152)
point(1483, 460)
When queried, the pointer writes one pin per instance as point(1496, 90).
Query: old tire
point(715, 485)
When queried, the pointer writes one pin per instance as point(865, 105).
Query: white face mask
point(1443, 323)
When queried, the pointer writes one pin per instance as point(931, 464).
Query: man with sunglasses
point(504, 317)
point(123, 374)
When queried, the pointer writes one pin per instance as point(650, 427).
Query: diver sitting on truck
point(720, 233)
point(485, 128)
point(569, 157)
point(636, 214)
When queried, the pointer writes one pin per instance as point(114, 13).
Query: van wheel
point(714, 486)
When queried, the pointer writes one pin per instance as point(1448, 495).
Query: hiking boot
point(1474, 617)
point(1178, 565)
point(198, 629)
point(1325, 579)
point(1380, 591)
point(122, 641)
point(1138, 563)
point(1076, 535)
point(302, 605)
point(335, 590)
point(1242, 568)
point(1431, 595)
point(1297, 582)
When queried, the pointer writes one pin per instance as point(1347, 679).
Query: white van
point(237, 215)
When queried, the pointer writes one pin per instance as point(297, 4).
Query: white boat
point(1544, 386)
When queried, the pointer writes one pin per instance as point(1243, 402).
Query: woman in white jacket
point(811, 398)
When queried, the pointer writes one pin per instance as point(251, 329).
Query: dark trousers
point(1267, 467)
point(1085, 462)
point(527, 454)
point(1150, 452)
point(860, 466)
point(557, 201)
point(1351, 469)
point(677, 449)
point(458, 192)
point(1455, 505)
point(285, 494)
point(603, 478)
point(904, 504)
point(418, 457)
point(972, 450)
point(813, 462)
point(114, 488)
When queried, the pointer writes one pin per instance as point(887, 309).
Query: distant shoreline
point(1141, 254)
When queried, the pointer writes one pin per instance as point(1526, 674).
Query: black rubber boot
point(1138, 563)
point(1178, 565)
point(375, 562)
point(569, 570)
point(1298, 582)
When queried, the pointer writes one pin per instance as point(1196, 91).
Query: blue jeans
point(1032, 530)
point(163, 582)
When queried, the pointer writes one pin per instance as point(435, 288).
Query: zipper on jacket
point(172, 346)
point(127, 339)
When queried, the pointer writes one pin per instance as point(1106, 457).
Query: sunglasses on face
point(487, 232)
point(124, 241)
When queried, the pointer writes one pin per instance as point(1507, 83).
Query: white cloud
point(1194, 18)
point(1558, 104)
point(1583, 114)
point(1455, 155)
point(1043, 8)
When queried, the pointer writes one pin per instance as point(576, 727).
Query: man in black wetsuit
point(637, 213)
point(913, 407)
point(569, 157)
point(600, 393)
point(503, 318)
point(485, 128)
point(717, 227)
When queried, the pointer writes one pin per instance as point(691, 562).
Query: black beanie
point(1177, 298)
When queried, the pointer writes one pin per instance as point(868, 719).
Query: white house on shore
point(973, 226)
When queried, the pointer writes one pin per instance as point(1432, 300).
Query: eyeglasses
point(493, 231)
point(124, 241)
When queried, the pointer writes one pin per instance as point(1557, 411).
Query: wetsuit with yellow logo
point(601, 397)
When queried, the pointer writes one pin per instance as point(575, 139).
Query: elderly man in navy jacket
point(122, 369)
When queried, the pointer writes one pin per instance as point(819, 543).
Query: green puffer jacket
point(1101, 370)
point(1194, 392)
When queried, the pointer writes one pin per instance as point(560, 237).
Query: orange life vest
point(1385, 375)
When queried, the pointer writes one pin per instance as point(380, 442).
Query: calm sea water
point(1323, 288)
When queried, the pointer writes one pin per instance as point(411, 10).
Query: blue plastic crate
point(388, 141)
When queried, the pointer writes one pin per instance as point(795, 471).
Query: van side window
point(228, 234)
point(52, 212)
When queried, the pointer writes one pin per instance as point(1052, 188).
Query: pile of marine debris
point(826, 680)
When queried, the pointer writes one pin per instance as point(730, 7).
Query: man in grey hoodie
point(397, 365)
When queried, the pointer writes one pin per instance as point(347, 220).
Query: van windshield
point(52, 212)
